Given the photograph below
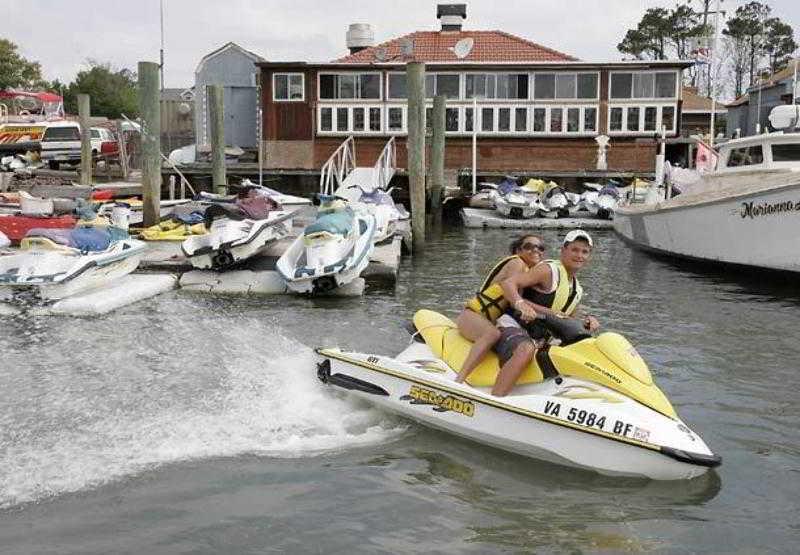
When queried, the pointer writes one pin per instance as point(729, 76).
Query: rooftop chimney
point(452, 16)
point(359, 37)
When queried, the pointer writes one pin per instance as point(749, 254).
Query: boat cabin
point(777, 150)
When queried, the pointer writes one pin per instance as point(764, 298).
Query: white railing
point(335, 170)
point(386, 165)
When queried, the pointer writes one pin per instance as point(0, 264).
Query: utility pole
point(161, 53)
point(437, 155)
point(415, 79)
point(150, 110)
point(216, 109)
point(84, 111)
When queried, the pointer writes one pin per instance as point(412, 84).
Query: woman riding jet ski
point(332, 251)
point(589, 402)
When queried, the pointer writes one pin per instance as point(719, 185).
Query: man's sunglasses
point(533, 246)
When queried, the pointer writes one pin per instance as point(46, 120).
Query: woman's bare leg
point(511, 370)
point(483, 335)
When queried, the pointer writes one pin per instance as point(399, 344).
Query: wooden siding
point(288, 121)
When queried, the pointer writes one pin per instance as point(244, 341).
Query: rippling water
point(191, 423)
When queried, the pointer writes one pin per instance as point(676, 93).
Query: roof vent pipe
point(451, 16)
point(359, 37)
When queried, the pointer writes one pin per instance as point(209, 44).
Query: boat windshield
point(746, 156)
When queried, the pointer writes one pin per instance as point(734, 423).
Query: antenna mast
point(161, 65)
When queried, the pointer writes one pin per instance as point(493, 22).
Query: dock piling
point(84, 111)
point(415, 77)
point(150, 110)
point(216, 111)
point(437, 156)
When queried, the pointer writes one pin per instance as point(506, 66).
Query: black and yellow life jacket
point(565, 298)
point(489, 301)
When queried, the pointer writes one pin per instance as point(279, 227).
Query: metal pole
point(161, 53)
point(474, 145)
point(84, 110)
point(711, 78)
point(437, 155)
point(216, 109)
point(150, 110)
point(415, 77)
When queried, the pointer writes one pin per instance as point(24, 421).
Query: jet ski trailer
point(561, 419)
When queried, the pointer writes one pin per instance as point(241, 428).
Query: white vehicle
point(744, 213)
point(61, 143)
point(380, 204)
point(44, 270)
point(589, 403)
point(518, 203)
point(554, 203)
point(332, 251)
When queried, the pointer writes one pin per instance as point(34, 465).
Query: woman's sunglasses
point(533, 246)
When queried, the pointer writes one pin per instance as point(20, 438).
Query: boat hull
point(758, 229)
point(542, 423)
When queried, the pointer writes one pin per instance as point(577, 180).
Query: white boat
point(588, 403)
point(230, 241)
point(44, 270)
point(744, 213)
point(332, 251)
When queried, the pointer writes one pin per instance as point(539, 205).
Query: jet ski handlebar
point(568, 330)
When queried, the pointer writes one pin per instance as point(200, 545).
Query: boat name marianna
point(752, 210)
point(448, 402)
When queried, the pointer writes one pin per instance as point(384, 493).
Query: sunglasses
point(532, 246)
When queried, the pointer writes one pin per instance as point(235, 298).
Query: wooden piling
point(216, 110)
point(437, 156)
point(84, 111)
point(150, 110)
point(415, 78)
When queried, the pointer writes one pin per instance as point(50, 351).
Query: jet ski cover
point(338, 223)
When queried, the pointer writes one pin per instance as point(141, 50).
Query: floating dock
point(481, 218)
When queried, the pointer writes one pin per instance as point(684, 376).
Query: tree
point(749, 26)
point(649, 39)
point(113, 92)
point(779, 44)
point(15, 70)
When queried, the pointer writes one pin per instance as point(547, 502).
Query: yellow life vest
point(489, 300)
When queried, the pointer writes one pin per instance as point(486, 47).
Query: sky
point(63, 34)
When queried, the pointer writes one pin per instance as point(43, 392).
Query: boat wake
point(249, 391)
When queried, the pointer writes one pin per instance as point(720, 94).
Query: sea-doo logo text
point(752, 210)
point(603, 371)
point(442, 402)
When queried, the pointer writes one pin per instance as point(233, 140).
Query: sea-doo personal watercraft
point(53, 263)
point(589, 402)
point(380, 204)
point(332, 251)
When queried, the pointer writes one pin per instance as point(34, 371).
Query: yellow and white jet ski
point(589, 402)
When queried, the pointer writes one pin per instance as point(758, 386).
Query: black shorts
point(510, 339)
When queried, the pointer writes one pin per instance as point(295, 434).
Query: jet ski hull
point(563, 420)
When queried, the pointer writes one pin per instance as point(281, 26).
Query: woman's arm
point(513, 267)
point(539, 275)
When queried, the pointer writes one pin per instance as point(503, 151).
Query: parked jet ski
point(589, 402)
point(514, 201)
point(380, 204)
point(237, 231)
point(332, 251)
point(555, 202)
point(607, 200)
point(56, 263)
point(485, 197)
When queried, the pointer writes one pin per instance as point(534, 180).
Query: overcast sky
point(63, 34)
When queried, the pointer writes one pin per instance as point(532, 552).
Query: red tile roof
point(489, 46)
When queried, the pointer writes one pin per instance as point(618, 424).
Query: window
point(451, 119)
point(665, 85)
point(621, 85)
point(589, 119)
point(544, 86)
point(556, 120)
point(747, 156)
point(633, 119)
point(573, 120)
point(643, 85)
point(520, 119)
point(615, 123)
point(398, 88)
point(501, 85)
point(288, 87)
point(395, 119)
point(565, 85)
point(587, 85)
point(468, 119)
point(326, 119)
point(341, 119)
point(349, 86)
point(650, 118)
point(94, 133)
point(374, 119)
point(443, 83)
point(786, 152)
point(487, 119)
point(67, 133)
point(358, 119)
point(539, 119)
point(668, 117)
point(504, 119)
